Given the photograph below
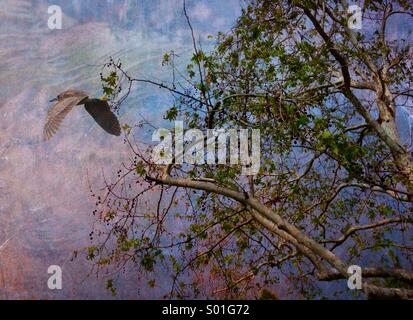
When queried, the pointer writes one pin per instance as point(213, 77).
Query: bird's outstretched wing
point(100, 111)
point(57, 113)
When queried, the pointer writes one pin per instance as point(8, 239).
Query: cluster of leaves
point(112, 79)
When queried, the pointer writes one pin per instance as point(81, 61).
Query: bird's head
point(59, 97)
point(69, 93)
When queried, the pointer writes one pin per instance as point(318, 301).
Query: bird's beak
point(55, 99)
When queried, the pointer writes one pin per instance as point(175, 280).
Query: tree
point(335, 185)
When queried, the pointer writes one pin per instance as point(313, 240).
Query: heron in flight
point(97, 108)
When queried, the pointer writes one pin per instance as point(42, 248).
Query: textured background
point(45, 205)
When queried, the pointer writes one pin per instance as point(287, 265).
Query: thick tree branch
point(354, 229)
point(268, 213)
point(397, 273)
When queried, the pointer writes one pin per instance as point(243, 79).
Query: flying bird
point(99, 109)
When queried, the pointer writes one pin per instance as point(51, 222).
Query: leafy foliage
point(332, 162)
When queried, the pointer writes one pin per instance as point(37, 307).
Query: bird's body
point(97, 108)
